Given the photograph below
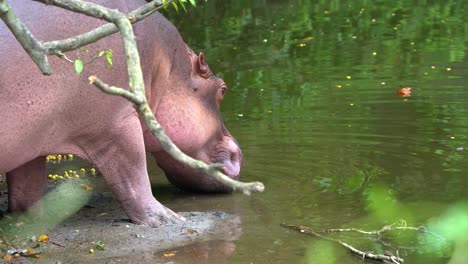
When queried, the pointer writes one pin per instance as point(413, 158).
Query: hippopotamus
point(62, 113)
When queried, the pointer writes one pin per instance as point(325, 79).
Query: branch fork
point(119, 22)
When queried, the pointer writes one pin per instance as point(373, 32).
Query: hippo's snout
point(227, 153)
point(232, 164)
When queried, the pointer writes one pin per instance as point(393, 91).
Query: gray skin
point(62, 113)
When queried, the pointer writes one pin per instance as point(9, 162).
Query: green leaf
point(100, 245)
point(101, 53)
point(165, 4)
point(84, 50)
point(181, 2)
point(109, 58)
point(78, 65)
point(176, 7)
point(193, 2)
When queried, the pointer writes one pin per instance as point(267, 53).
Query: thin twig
point(213, 170)
point(384, 229)
point(116, 90)
point(57, 244)
point(62, 55)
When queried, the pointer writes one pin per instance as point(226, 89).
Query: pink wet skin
point(63, 114)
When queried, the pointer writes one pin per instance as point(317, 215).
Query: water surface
point(312, 100)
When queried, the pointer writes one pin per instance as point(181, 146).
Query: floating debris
point(404, 92)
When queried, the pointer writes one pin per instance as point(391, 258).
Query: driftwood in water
point(386, 257)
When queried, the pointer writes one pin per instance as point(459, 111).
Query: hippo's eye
point(223, 89)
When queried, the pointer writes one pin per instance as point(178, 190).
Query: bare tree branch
point(31, 45)
point(156, 129)
point(137, 88)
point(115, 90)
point(102, 31)
point(39, 50)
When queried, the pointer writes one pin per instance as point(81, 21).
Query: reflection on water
point(312, 100)
point(201, 252)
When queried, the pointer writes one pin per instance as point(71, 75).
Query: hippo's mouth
point(226, 153)
point(232, 163)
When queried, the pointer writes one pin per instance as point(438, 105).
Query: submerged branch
point(366, 255)
point(386, 228)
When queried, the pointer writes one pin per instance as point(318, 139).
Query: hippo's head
point(189, 112)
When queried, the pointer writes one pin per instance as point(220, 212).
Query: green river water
point(313, 102)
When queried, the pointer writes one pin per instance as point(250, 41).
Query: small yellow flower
point(43, 238)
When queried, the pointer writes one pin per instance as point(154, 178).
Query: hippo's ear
point(202, 67)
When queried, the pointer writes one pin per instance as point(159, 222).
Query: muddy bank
point(101, 225)
point(129, 243)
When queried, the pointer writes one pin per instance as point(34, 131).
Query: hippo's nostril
point(233, 163)
point(236, 156)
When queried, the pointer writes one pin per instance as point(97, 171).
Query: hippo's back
point(40, 112)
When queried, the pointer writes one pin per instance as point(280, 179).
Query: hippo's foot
point(154, 215)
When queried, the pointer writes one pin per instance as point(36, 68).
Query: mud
point(203, 238)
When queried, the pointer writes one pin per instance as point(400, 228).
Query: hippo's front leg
point(122, 162)
point(26, 185)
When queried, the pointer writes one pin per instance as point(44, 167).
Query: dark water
point(312, 100)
